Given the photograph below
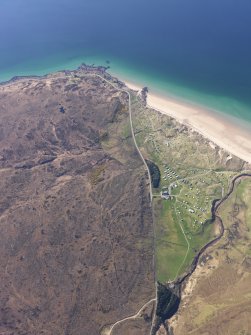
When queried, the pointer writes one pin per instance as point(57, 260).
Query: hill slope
point(76, 243)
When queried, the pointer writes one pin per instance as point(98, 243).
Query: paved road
point(132, 131)
point(109, 332)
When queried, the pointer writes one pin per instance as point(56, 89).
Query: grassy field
point(220, 302)
point(195, 172)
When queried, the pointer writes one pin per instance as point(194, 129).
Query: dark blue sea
point(199, 50)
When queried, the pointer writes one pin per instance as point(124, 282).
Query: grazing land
point(76, 244)
point(194, 172)
point(216, 298)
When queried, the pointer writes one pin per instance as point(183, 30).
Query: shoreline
point(223, 132)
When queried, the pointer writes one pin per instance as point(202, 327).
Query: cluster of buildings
point(192, 209)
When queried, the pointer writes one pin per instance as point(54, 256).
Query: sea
point(194, 50)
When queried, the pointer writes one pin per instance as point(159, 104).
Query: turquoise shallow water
point(199, 51)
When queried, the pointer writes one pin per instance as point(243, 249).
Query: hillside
point(76, 244)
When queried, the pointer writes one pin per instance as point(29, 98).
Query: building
point(165, 195)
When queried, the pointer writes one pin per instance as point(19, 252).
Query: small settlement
point(184, 199)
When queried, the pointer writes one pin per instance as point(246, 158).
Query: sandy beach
point(225, 133)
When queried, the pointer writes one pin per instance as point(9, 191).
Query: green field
point(195, 172)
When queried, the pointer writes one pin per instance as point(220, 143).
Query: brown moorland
point(76, 243)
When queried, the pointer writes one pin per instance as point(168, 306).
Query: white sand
point(225, 133)
point(133, 86)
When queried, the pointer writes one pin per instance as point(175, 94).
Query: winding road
point(133, 317)
point(109, 332)
point(216, 204)
point(132, 130)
